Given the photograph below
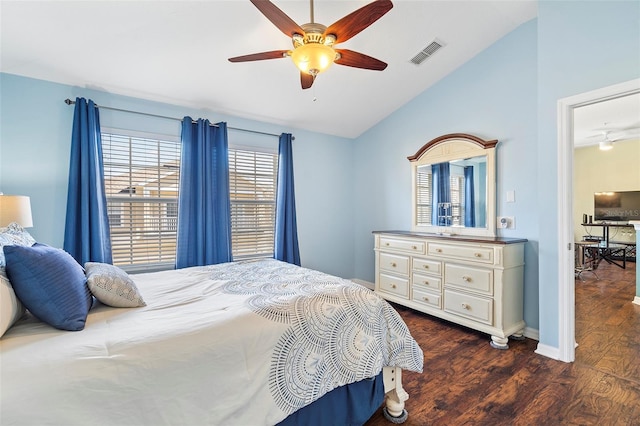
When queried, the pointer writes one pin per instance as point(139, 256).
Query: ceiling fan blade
point(357, 21)
point(306, 80)
point(278, 17)
point(350, 58)
point(274, 54)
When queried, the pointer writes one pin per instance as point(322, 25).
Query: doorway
point(566, 249)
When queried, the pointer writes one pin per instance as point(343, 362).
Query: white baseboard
point(548, 351)
point(532, 333)
point(370, 286)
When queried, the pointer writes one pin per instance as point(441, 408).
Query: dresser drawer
point(394, 263)
point(476, 254)
point(474, 307)
point(394, 285)
point(426, 298)
point(427, 281)
point(469, 278)
point(427, 266)
point(404, 245)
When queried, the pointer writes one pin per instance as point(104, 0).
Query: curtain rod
point(70, 102)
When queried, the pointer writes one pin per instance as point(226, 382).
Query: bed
point(243, 343)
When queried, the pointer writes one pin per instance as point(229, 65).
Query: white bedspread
point(240, 343)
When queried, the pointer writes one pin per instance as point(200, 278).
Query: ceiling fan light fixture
point(606, 145)
point(313, 58)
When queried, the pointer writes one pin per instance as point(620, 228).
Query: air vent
point(431, 48)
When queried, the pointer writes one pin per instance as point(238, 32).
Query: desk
point(605, 228)
point(606, 250)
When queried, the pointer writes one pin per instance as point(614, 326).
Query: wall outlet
point(506, 222)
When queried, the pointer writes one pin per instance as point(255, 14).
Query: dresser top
point(465, 238)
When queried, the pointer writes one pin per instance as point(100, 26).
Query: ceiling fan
point(313, 50)
point(606, 136)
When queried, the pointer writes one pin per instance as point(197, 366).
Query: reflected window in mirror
point(454, 186)
point(452, 193)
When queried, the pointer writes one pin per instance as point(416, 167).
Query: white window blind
point(423, 195)
point(252, 183)
point(454, 211)
point(141, 182)
point(456, 188)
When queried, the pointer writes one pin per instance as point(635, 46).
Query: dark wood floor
point(466, 382)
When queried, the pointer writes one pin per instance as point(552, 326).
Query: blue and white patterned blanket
point(240, 343)
point(338, 332)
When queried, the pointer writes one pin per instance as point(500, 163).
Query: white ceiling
point(618, 118)
point(177, 51)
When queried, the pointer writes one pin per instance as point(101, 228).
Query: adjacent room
point(319, 212)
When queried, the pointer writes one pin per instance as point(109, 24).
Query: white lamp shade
point(15, 208)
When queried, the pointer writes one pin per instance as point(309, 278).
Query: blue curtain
point(286, 238)
point(204, 206)
point(86, 232)
point(441, 192)
point(469, 198)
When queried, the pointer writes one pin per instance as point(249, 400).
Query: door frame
point(566, 249)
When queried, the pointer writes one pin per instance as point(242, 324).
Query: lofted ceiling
point(176, 52)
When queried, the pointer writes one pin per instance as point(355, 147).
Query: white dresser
point(473, 281)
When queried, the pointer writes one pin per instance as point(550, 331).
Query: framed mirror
point(454, 186)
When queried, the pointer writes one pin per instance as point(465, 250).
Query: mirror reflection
point(452, 194)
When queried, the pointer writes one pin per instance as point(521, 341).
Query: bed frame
point(395, 395)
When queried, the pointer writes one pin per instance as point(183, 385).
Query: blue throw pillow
point(50, 284)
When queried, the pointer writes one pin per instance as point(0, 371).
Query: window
point(142, 177)
point(141, 182)
point(252, 183)
point(456, 187)
point(452, 212)
point(423, 195)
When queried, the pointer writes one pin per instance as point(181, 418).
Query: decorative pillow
point(50, 284)
point(112, 286)
point(10, 307)
point(14, 235)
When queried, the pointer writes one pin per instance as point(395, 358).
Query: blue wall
point(492, 96)
point(346, 189)
point(582, 46)
point(35, 137)
point(508, 92)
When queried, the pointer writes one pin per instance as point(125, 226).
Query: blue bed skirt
point(351, 405)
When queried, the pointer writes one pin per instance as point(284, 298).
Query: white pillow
point(112, 286)
point(10, 307)
point(14, 235)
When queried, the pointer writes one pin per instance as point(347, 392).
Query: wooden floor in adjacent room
point(466, 382)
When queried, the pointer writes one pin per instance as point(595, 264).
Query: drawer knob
point(393, 286)
point(425, 298)
point(414, 247)
point(426, 266)
point(438, 250)
point(426, 282)
point(393, 264)
point(386, 244)
point(466, 278)
point(466, 306)
point(477, 254)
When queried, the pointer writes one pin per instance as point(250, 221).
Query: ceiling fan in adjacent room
point(605, 138)
point(313, 50)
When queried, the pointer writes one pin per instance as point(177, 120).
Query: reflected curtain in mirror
point(469, 198)
point(441, 198)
